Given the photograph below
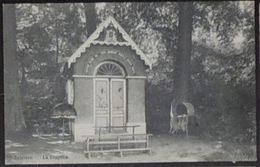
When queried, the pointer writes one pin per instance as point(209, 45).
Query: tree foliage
point(47, 34)
point(219, 69)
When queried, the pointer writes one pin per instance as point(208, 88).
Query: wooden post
point(148, 143)
point(133, 132)
point(99, 129)
point(87, 148)
point(63, 129)
point(70, 130)
point(118, 146)
point(187, 121)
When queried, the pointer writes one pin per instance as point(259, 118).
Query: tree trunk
point(14, 119)
point(57, 49)
point(91, 17)
point(182, 63)
point(23, 82)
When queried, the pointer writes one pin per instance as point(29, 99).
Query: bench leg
point(88, 155)
point(149, 151)
point(121, 154)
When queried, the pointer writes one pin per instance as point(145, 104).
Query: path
point(164, 149)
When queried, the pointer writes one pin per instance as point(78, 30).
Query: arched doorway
point(109, 97)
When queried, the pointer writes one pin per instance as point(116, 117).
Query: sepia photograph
point(129, 82)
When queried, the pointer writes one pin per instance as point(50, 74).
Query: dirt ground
point(165, 148)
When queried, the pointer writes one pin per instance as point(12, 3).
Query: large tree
point(183, 57)
point(14, 120)
point(216, 26)
point(91, 17)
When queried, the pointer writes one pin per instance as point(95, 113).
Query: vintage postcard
point(129, 82)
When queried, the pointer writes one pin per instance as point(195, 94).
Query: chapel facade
point(107, 87)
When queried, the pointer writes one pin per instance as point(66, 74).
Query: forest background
point(220, 64)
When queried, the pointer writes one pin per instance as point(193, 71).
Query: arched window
point(110, 68)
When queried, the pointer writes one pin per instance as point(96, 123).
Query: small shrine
point(107, 84)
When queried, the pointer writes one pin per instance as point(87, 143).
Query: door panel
point(117, 103)
point(102, 103)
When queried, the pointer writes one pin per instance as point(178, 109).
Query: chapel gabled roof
point(110, 21)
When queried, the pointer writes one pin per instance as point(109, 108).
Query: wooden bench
point(116, 143)
point(110, 128)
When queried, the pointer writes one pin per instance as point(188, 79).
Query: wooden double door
point(109, 105)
